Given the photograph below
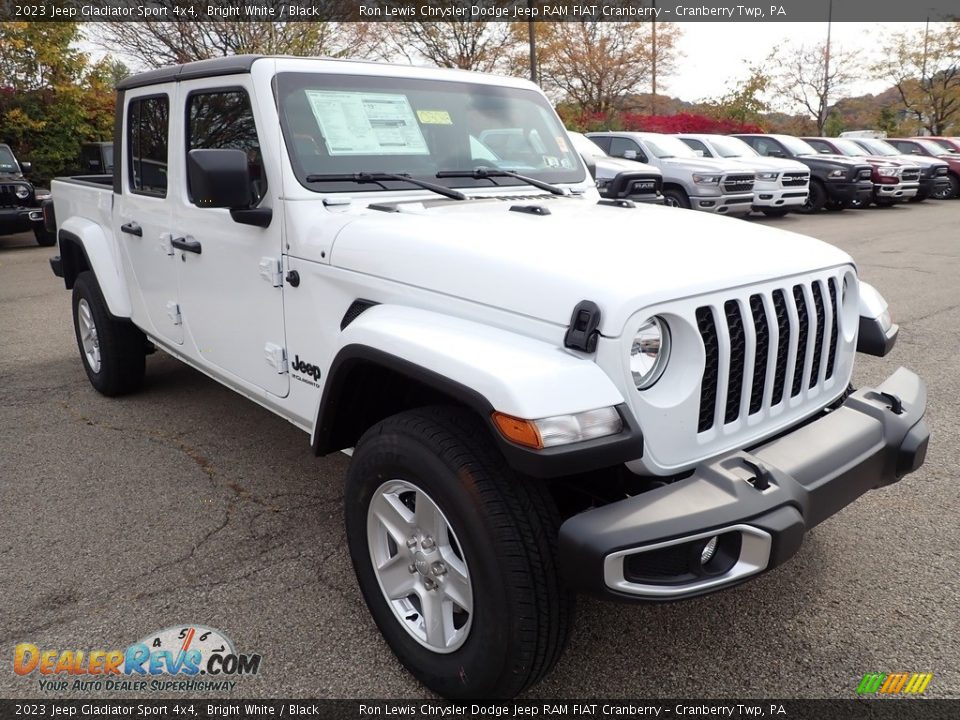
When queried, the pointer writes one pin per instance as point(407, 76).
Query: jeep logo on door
point(306, 368)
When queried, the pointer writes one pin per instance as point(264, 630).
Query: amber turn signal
point(522, 432)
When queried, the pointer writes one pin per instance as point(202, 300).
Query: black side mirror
point(26, 168)
point(221, 179)
point(631, 182)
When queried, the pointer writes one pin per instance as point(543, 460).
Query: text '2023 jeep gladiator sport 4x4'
point(545, 392)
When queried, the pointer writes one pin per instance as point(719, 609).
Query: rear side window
point(148, 121)
point(223, 120)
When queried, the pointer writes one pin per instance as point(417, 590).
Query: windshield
point(664, 146)
point(796, 145)
point(731, 147)
point(879, 147)
point(585, 146)
point(848, 147)
point(347, 124)
point(931, 147)
point(7, 162)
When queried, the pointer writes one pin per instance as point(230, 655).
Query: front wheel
point(951, 190)
point(455, 555)
point(673, 197)
point(816, 199)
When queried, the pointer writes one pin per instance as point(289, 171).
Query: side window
point(148, 121)
point(603, 141)
point(766, 147)
point(223, 120)
point(697, 145)
point(619, 147)
point(820, 146)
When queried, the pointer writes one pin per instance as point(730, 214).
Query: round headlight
point(649, 352)
point(22, 192)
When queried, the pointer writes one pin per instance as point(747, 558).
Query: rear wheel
point(113, 350)
point(674, 197)
point(455, 555)
point(816, 199)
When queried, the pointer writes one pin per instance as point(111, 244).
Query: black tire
point(44, 238)
point(506, 527)
point(122, 346)
point(774, 213)
point(816, 199)
point(837, 206)
point(674, 197)
point(953, 191)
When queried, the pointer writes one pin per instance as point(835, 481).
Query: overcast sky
point(716, 54)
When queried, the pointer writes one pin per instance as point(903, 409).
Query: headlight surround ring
point(22, 192)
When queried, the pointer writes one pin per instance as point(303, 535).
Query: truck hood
point(610, 167)
point(768, 163)
point(834, 160)
point(541, 266)
point(702, 165)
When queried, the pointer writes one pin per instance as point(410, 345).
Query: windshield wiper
point(482, 173)
point(378, 177)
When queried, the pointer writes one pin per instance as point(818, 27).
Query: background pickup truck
point(20, 201)
point(543, 392)
point(689, 181)
point(893, 181)
point(934, 173)
point(921, 147)
point(781, 185)
point(836, 182)
point(645, 184)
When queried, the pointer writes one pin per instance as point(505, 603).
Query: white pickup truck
point(544, 392)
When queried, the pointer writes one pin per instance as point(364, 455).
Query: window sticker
point(361, 123)
point(561, 143)
point(434, 117)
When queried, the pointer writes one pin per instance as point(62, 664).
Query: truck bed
point(86, 196)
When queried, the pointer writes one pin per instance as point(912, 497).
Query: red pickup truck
point(929, 148)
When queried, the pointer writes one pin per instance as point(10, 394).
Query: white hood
point(761, 164)
point(543, 265)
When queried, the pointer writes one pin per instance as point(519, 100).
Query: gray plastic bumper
point(758, 503)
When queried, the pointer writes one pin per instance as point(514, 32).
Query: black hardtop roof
point(230, 65)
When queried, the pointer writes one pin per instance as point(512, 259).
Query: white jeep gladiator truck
point(544, 392)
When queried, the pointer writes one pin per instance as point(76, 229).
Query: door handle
point(131, 228)
point(187, 245)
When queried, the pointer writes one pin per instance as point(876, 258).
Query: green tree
point(745, 103)
point(52, 99)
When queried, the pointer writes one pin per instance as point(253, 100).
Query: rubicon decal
point(182, 652)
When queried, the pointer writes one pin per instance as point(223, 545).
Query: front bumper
point(15, 219)
point(849, 192)
point(776, 197)
point(758, 502)
point(738, 204)
point(899, 191)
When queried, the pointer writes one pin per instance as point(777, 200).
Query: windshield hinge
point(583, 332)
point(173, 312)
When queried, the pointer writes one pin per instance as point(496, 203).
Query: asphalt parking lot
point(187, 504)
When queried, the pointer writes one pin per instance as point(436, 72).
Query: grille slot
point(708, 386)
point(802, 337)
point(758, 356)
point(762, 352)
point(738, 351)
point(910, 175)
point(8, 197)
point(818, 336)
point(832, 356)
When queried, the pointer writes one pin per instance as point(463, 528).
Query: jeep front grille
point(8, 197)
point(738, 183)
point(787, 336)
point(795, 179)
